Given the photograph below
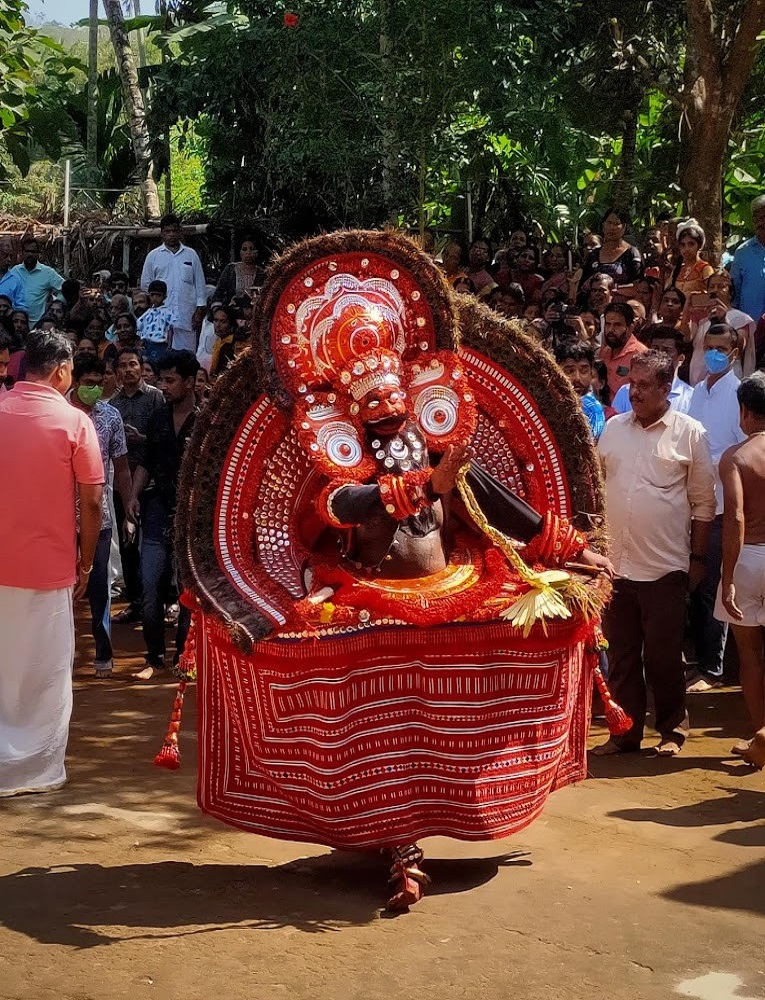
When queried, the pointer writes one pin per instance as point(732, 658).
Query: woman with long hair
point(560, 277)
point(615, 256)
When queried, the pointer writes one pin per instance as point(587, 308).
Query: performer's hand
point(729, 603)
point(590, 558)
point(444, 477)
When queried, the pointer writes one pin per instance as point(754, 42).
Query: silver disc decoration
point(437, 410)
point(341, 444)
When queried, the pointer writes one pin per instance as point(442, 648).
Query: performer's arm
point(398, 496)
point(501, 507)
point(353, 504)
point(549, 539)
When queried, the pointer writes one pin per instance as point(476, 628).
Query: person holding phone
point(714, 306)
point(560, 264)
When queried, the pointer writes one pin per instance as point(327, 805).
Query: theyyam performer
point(382, 532)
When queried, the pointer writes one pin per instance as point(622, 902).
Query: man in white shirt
point(715, 405)
point(660, 502)
point(670, 341)
point(181, 269)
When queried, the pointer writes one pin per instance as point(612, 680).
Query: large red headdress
point(341, 308)
point(349, 322)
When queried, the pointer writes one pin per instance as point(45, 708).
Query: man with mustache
point(660, 502)
point(620, 345)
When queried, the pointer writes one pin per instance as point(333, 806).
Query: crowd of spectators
point(144, 360)
point(637, 323)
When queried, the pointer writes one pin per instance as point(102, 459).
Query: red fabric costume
point(342, 698)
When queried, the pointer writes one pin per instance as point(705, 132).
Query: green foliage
point(20, 52)
point(376, 110)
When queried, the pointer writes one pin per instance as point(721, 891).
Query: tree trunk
point(134, 106)
point(625, 180)
point(91, 141)
point(389, 154)
point(702, 176)
point(715, 73)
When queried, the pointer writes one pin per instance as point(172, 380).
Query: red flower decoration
point(291, 20)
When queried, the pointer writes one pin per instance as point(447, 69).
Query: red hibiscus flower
point(291, 20)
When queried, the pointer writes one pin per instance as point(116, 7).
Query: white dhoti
point(36, 657)
point(749, 581)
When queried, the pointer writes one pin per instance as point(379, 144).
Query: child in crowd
point(150, 372)
point(155, 326)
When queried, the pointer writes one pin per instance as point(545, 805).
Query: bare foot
point(612, 747)
point(755, 752)
point(668, 748)
point(146, 674)
point(740, 748)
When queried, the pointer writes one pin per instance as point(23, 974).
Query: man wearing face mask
point(87, 388)
point(714, 404)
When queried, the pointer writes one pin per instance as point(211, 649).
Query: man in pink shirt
point(620, 345)
point(49, 450)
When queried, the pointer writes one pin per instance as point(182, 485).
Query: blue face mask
point(716, 361)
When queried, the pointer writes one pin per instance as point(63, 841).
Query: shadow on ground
point(733, 806)
point(88, 905)
point(740, 890)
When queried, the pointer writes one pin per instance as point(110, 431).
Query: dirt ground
point(646, 881)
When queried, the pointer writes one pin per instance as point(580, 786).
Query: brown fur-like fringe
point(506, 343)
point(253, 373)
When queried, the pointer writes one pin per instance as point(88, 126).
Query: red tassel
point(170, 756)
point(618, 721)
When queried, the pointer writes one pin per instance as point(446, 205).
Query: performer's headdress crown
point(372, 370)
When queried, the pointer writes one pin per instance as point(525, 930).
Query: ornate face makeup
point(383, 410)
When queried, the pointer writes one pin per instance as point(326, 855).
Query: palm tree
point(134, 107)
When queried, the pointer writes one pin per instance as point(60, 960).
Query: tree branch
point(740, 58)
